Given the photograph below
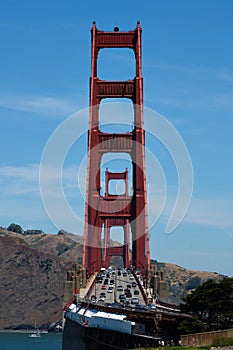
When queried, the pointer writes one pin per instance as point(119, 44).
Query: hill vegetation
point(212, 304)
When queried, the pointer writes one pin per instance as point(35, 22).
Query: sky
point(188, 79)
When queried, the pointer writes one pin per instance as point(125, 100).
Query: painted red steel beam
point(115, 143)
point(114, 89)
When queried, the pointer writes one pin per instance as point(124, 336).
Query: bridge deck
point(114, 286)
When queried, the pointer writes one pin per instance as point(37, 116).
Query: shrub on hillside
point(15, 228)
point(193, 283)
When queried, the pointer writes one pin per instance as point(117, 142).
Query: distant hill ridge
point(33, 271)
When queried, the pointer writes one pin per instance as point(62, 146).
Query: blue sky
point(188, 78)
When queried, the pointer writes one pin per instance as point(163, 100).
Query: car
point(103, 287)
point(136, 292)
point(128, 286)
point(102, 294)
point(141, 307)
point(110, 290)
point(152, 306)
point(122, 296)
point(127, 290)
point(119, 289)
point(134, 284)
point(99, 279)
point(93, 298)
point(128, 295)
point(124, 274)
point(131, 277)
point(134, 301)
point(106, 281)
point(101, 299)
point(119, 273)
point(111, 282)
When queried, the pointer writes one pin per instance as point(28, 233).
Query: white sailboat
point(36, 334)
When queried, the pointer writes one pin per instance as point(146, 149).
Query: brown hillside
point(182, 281)
point(31, 287)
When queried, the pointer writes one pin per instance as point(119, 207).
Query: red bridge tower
point(104, 212)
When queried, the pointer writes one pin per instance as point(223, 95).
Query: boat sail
point(36, 334)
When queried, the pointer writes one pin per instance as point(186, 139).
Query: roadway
point(117, 286)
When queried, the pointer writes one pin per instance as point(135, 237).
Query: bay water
point(22, 341)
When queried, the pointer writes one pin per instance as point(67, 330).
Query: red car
point(103, 287)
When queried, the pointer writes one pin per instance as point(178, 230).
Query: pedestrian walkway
point(83, 291)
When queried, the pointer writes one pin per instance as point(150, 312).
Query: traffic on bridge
point(118, 287)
